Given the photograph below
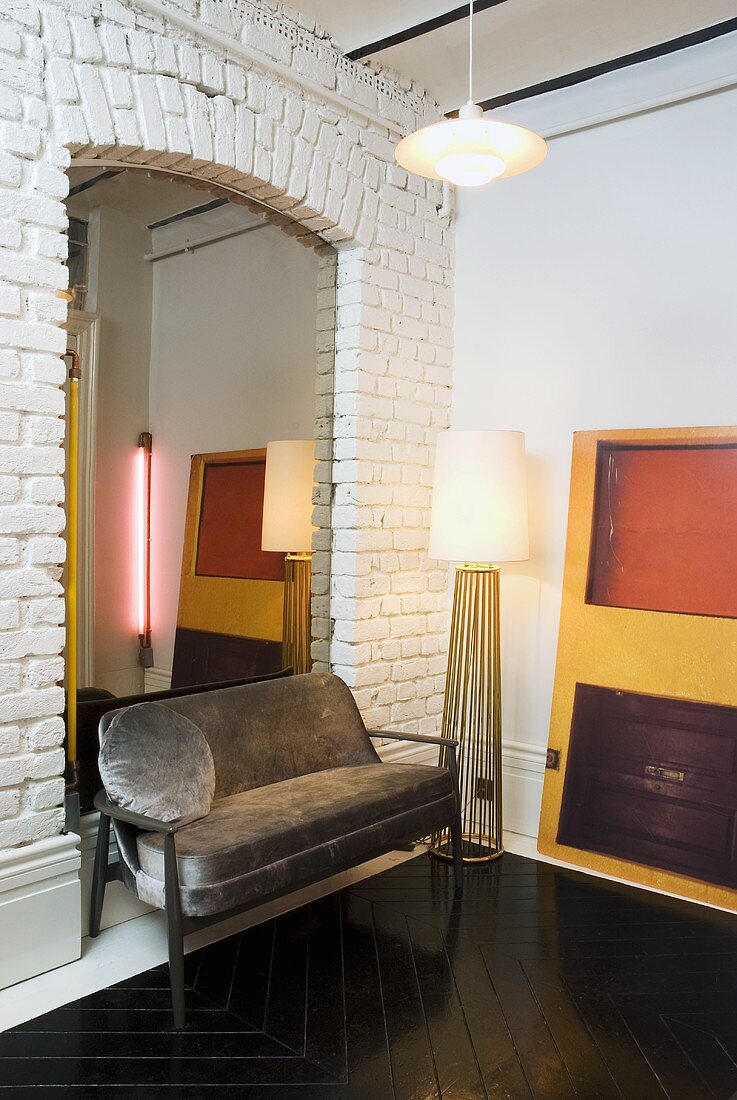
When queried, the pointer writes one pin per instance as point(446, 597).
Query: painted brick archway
point(102, 80)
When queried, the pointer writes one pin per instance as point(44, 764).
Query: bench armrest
point(419, 737)
point(141, 821)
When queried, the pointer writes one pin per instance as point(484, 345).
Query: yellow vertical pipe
point(72, 556)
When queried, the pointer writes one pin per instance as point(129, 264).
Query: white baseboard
point(124, 681)
point(40, 912)
point(523, 770)
point(45, 902)
point(156, 679)
point(406, 752)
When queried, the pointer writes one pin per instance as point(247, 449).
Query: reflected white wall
point(232, 366)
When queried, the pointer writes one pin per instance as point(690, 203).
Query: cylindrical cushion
point(157, 762)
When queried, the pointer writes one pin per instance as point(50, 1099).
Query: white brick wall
point(105, 80)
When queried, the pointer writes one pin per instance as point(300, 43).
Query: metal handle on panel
point(658, 772)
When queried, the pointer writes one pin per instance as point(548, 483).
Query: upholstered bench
point(222, 801)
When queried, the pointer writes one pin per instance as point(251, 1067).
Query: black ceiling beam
point(85, 186)
point(694, 38)
point(419, 29)
point(191, 213)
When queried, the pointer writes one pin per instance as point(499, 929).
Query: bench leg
point(99, 874)
point(456, 828)
point(175, 935)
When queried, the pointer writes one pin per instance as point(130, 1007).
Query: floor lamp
point(287, 528)
point(479, 517)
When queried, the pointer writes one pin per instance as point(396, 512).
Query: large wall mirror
point(195, 321)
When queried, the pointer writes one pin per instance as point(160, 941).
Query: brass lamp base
point(296, 628)
point(472, 713)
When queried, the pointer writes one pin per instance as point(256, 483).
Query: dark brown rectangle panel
point(653, 780)
point(204, 658)
point(664, 533)
point(231, 514)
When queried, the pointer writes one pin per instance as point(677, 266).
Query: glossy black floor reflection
point(540, 983)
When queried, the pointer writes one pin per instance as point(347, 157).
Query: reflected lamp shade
point(479, 503)
point(290, 477)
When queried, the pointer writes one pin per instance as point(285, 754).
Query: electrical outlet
point(484, 788)
point(552, 760)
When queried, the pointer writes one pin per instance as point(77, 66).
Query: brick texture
point(107, 80)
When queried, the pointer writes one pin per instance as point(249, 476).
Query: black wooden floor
point(539, 983)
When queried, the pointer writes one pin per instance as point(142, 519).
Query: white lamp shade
point(470, 150)
point(290, 477)
point(479, 503)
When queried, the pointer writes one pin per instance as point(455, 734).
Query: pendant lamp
point(470, 150)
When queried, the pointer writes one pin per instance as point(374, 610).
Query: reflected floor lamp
point(287, 528)
point(479, 518)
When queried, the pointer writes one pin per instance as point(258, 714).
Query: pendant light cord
point(470, 52)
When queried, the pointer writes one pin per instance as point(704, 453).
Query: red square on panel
point(231, 513)
point(664, 534)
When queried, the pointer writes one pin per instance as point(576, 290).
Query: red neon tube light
point(143, 539)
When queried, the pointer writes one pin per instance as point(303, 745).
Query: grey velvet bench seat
point(226, 800)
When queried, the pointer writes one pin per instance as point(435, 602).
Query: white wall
point(123, 303)
point(599, 291)
point(232, 366)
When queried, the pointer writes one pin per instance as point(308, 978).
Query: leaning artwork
point(229, 621)
point(643, 783)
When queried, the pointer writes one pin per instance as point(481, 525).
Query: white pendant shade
point(290, 476)
point(479, 502)
point(470, 150)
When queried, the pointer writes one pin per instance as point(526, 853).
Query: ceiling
point(518, 43)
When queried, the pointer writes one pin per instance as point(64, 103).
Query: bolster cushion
point(157, 762)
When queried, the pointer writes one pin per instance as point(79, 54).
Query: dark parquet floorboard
point(539, 984)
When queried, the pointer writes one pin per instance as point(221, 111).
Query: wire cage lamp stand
point(472, 713)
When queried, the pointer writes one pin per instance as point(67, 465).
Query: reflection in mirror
point(231, 591)
point(194, 318)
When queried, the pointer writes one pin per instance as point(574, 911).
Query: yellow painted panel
point(656, 653)
point(227, 605)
